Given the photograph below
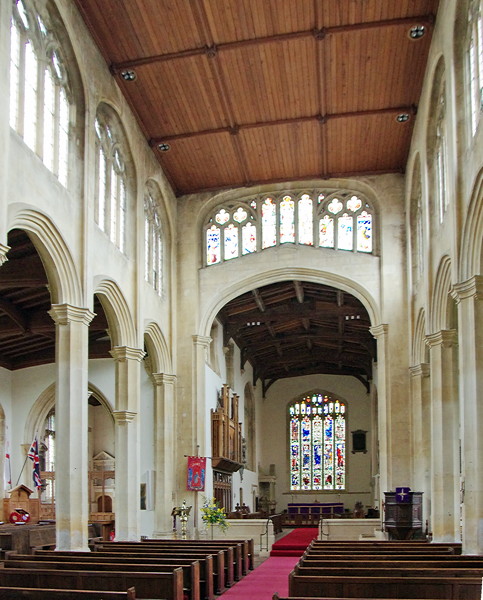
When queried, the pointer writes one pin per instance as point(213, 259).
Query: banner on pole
point(196, 473)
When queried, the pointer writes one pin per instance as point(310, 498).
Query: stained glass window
point(317, 441)
point(334, 219)
point(153, 238)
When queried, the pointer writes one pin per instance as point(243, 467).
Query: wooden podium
point(403, 518)
point(20, 498)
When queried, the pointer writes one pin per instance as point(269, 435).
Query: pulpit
point(20, 499)
point(403, 518)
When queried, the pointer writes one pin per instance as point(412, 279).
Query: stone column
point(71, 418)
point(5, 14)
point(3, 253)
point(420, 434)
point(126, 416)
point(444, 435)
point(383, 410)
point(165, 435)
point(469, 296)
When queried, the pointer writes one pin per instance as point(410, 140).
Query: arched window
point(153, 239)
point(340, 220)
point(40, 97)
point(440, 156)
point(317, 440)
point(475, 62)
point(111, 193)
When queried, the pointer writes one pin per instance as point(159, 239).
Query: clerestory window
point(341, 220)
point(475, 62)
point(111, 193)
point(40, 98)
point(317, 443)
point(153, 240)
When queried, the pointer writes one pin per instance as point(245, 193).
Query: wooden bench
point(233, 552)
point(222, 565)
point(168, 586)
point(212, 566)
point(462, 588)
point(191, 572)
point(370, 571)
point(394, 563)
point(22, 593)
point(247, 545)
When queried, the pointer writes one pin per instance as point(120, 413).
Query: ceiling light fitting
point(402, 118)
point(164, 147)
point(128, 75)
point(417, 32)
point(253, 323)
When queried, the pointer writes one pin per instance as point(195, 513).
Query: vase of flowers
point(212, 514)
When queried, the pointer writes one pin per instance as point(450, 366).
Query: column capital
point(123, 353)
point(163, 379)
point(63, 314)
point(379, 330)
point(421, 370)
point(471, 288)
point(201, 340)
point(124, 416)
point(3, 253)
point(446, 338)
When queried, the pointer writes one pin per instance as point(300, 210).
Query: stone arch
point(64, 280)
point(416, 229)
point(419, 350)
point(441, 301)
point(224, 295)
point(122, 329)
point(472, 236)
point(158, 350)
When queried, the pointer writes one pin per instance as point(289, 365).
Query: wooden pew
point(199, 572)
point(22, 593)
point(223, 558)
point(462, 588)
point(452, 547)
point(212, 566)
point(381, 552)
point(168, 586)
point(394, 563)
point(233, 552)
point(370, 571)
point(191, 572)
point(248, 548)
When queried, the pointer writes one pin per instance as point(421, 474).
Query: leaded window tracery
point(317, 443)
point(340, 220)
point(40, 97)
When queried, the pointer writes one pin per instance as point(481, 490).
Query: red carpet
point(261, 583)
point(294, 543)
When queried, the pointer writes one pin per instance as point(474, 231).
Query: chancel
point(240, 255)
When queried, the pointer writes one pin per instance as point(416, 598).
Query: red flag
point(8, 468)
point(33, 454)
point(196, 473)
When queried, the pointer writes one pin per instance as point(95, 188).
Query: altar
point(310, 513)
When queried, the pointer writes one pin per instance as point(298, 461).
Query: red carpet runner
point(261, 583)
point(294, 543)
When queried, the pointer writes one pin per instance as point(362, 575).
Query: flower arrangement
point(212, 514)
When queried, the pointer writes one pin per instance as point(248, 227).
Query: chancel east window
point(339, 220)
point(40, 107)
point(317, 442)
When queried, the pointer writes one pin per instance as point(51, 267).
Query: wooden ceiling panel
point(231, 20)
point(163, 96)
point(264, 70)
point(272, 81)
point(203, 162)
point(147, 27)
point(271, 152)
point(368, 144)
point(336, 14)
point(384, 70)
